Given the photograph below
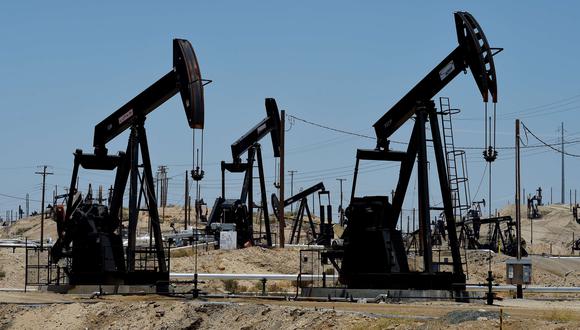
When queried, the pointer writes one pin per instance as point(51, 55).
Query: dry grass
point(179, 253)
point(387, 323)
point(231, 286)
point(560, 315)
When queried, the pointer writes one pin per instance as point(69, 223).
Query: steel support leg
point(312, 227)
point(133, 186)
point(445, 192)
point(423, 184)
point(405, 175)
point(263, 195)
point(153, 211)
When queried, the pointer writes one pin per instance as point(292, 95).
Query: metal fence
point(39, 270)
point(312, 263)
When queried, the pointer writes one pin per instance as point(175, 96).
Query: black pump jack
point(97, 252)
point(372, 254)
point(240, 211)
point(326, 231)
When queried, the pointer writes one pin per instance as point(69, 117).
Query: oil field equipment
point(533, 203)
point(373, 255)
point(239, 212)
point(325, 233)
point(90, 235)
point(500, 236)
point(518, 271)
point(470, 225)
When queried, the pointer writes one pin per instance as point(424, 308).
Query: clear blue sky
point(64, 66)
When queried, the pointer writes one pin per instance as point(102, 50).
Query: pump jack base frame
point(107, 289)
point(388, 295)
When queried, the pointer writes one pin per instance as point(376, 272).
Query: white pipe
point(22, 245)
point(177, 248)
point(312, 246)
point(14, 289)
point(564, 257)
point(225, 276)
point(480, 250)
point(543, 289)
point(306, 277)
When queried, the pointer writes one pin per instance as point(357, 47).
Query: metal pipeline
point(225, 276)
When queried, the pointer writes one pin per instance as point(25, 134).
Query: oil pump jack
point(240, 211)
point(90, 235)
point(372, 254)
point(325, 233)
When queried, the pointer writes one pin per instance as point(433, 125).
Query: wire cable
point(548, 145)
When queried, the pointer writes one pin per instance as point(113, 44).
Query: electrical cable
point(19, 198)
point(331, 128)
point(405, 143)
point(548, 145)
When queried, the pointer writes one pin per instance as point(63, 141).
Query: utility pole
point(562, 145)
point(519, 293)
point(110, 196)
point(162, 178)
point(27, 205)
point(44, 173)
point(413, 220)
point(100, 197)
point(313, 205)
point(292, 187)
point(551, 196)
point(340, 208)
point(186, 219)
point(282, 222)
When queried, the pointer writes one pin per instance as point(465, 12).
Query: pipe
point(22, 245)
point(537, 289)
point(226, 276)
point(312, 246)
point(306, 277)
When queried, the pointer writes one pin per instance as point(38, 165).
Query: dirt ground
point(554, 228)
point(30, 227)
point(33, 310)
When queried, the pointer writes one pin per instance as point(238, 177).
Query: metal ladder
point(456, 165)
point(456, 162)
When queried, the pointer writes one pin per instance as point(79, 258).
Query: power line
point(18, 198)
point(548, 145)
point(564, 101)
point(331, 128)
point(536, 111)
point(405, 143)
